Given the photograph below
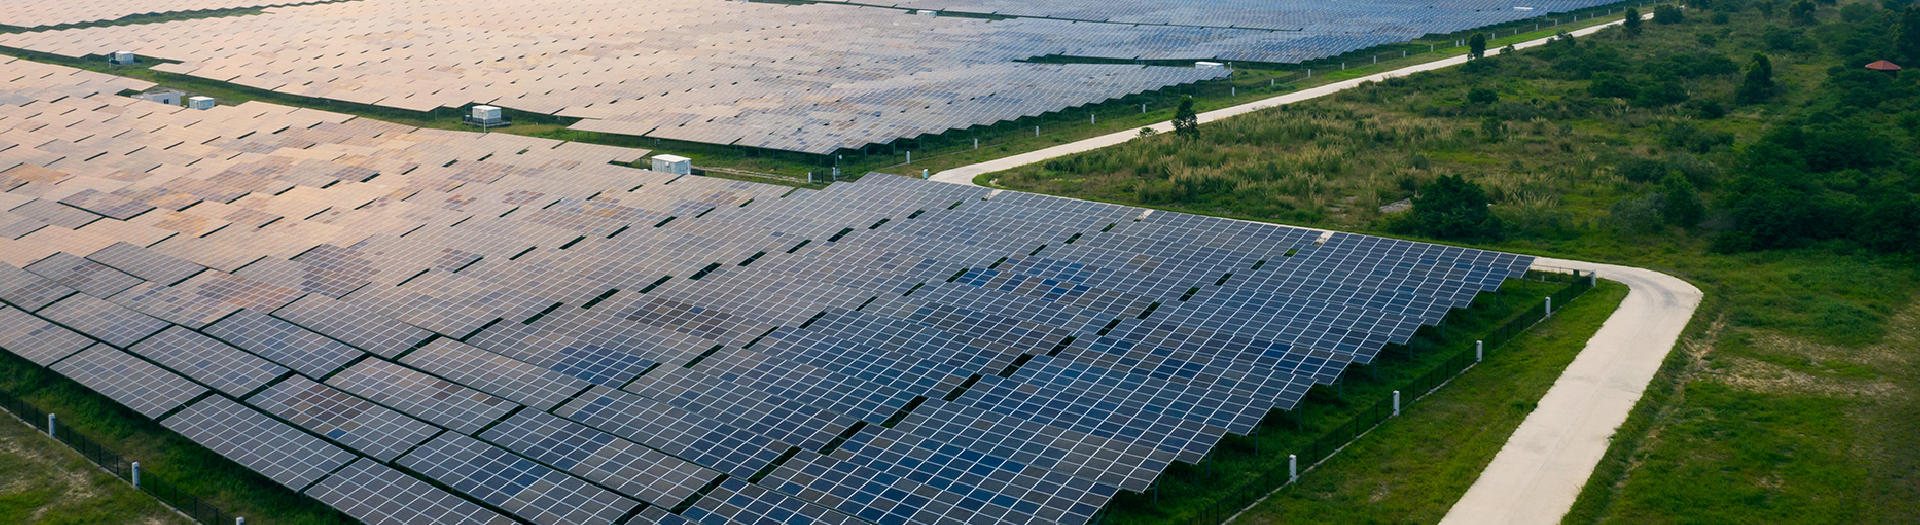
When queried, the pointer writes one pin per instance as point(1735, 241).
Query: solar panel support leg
point(1396, 403)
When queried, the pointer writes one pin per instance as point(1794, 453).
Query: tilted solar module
point(376, 431)
point(379, 495)
point(36, 339)
point(141, 386)
point(280, 452)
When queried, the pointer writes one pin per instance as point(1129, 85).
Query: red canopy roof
point(1883, 66)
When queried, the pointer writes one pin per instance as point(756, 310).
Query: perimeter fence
point(193, 507)
point(1231, 503)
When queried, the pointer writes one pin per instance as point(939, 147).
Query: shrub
point(1636, 215)
point(1482, 96)
point(1667, 15)
point(1681, 202)
point(1452, 208)
point(1608, 85)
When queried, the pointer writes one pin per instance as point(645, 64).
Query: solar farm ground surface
point(351, 307)
point(813, 78)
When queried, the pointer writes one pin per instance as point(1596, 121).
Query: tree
point(1477, 46)
point(1186, 123)
point(1482, 96)
point(1906, 39)
point(1667, 15)
point(1452, 208)
point(1766, 8)
point(1632, 22)
point(1609, 85)
point(1801, 13)
point(1682, 207)
point(1758, 87)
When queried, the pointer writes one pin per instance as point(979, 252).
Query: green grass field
point(44, 482)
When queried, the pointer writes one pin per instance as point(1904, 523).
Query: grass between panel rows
point(214, 479)
point(1414, 468)
point(1186, 491)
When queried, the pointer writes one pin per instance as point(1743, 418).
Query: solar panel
point(284, 343)
point(36, 339)
point(28, 291)
point(208, 361)
point(376, 431)
point(137, 384)
point(462, 409)
point(523, 383)
point(282, 453)
point(379, 495)
point(527, 489)
point(353, 325)
point(624, 466)
point(103, 320)
point(88, 277)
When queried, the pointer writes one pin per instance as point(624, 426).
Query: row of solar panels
point(815, 78)
point(566, 341)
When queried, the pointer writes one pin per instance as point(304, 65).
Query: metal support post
point(1036, 131)
point(1293, 468)
point(1396, 403)
point(50, 426)
point(1479, 351)
point(1549, 306)
point(136, 474)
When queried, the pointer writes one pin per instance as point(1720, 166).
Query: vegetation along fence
point(1231, 503)
point(187, 504)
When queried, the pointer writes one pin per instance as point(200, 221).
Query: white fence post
point(1549, 306)
point(1396, 403)
point(1293, 468)
point(1479, 351)
point(136, 474)
point(50, 425)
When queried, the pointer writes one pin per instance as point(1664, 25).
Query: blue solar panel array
point(582, 343)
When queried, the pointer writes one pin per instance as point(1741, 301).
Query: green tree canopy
point(1682, 207)
point(1186, 123)
point(1758, 87)
point(1452, 208)
point(1477, 46)
point(1906, 38)
point(1632, 22)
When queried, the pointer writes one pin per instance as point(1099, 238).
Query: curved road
point(1537, 475)
point(1540, 471)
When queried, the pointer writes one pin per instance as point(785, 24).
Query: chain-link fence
point(186, 503)
point(1233, 502)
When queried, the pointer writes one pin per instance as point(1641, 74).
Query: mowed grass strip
point(1413, 468)
point(1186, 491)
point(44, 482)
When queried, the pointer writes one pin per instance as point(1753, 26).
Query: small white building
point(1209, 65)
point(121, 58)
point(202, 103)
point(166, 96)
point(487, 115)
point(674, 164)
